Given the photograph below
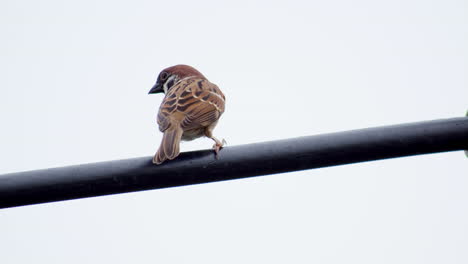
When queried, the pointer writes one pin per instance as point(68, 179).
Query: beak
point(157, 88)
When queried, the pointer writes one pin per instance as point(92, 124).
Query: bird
point(191, 108)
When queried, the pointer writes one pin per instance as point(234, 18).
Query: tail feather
point(169, 148)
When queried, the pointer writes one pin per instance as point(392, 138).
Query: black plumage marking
point(185, 93)
point(182, 108)
point(197, 93)
point(171, 102)
point(183, 101)
point(171, 109)
point(206, 97)
point(187, 83)
point(170, 83)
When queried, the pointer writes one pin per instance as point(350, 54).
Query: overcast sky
point(74, 77)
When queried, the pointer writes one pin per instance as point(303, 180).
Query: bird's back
point(192, 104)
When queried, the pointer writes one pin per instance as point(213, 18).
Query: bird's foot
point(218, 146)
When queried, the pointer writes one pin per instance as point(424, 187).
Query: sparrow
point(191, 108)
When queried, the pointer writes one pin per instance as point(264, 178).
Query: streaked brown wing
point(202, 104)
point(192, 103)
point(169, 105)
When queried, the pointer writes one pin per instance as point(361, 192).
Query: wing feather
point(191, 103)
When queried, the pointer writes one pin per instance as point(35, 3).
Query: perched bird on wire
point(191, 109)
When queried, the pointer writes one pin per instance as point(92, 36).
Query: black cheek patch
point(170, 83)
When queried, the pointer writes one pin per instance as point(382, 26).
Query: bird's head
point(170, 76)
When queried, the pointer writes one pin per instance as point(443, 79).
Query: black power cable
point(88, 180)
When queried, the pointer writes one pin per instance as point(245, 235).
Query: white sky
point(74, 77)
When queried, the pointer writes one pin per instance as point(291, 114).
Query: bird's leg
point(218, 144)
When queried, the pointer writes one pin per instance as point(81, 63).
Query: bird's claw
point(218, 146)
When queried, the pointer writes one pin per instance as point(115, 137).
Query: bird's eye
point(164, 76)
